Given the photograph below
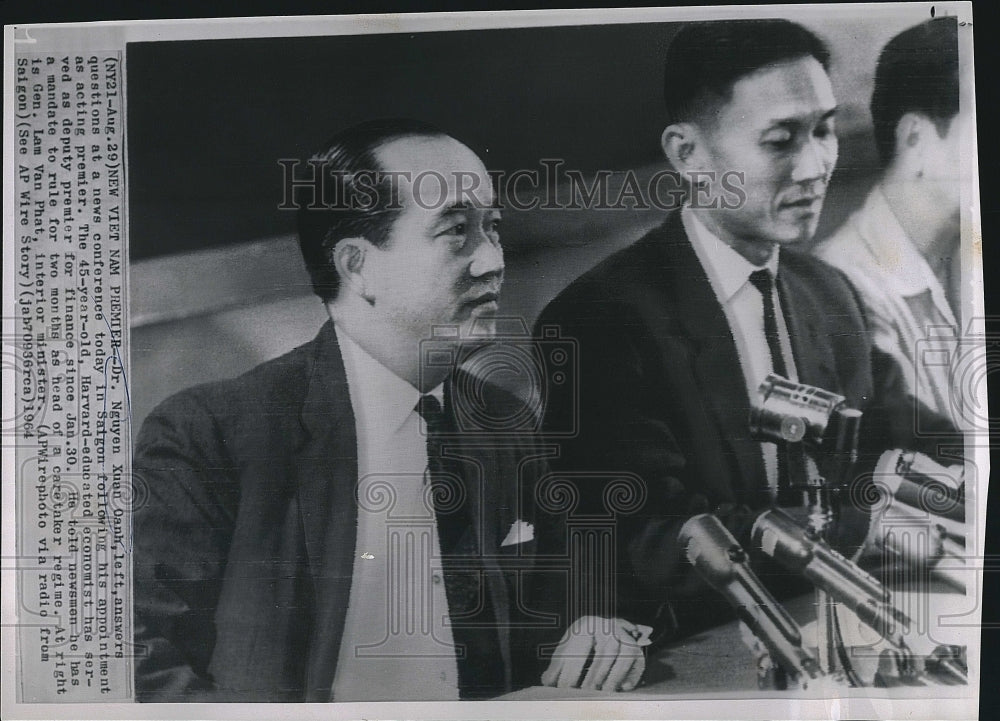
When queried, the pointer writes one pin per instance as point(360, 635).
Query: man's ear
point(911, 137)
point(349, 258)
point(680, 143)
point(908, 129)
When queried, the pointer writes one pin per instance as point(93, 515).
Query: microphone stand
point(820, 434)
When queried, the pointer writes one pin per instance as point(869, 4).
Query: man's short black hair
point(706, 59)
point(358, 198)
point(917, 72)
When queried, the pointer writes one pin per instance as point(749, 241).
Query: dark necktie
point(451, 524)
point(480, 664)
point(429, 408)
point(762, 281)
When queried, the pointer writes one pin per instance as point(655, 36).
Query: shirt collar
point(380, 398)
point(727, 270)
point(902, 265)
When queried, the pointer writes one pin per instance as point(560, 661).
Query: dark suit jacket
point(661, 395)
point(244, 548)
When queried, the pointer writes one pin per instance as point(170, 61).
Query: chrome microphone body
point(923, 521)
point(784, 540)
point(923, 484)
point(722, 563)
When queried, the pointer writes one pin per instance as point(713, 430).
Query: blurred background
point(217, 283)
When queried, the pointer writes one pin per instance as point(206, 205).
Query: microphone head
point(783, 410)
point(781, 538)
point(711, 549)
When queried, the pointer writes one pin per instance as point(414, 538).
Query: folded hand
point(599, 653)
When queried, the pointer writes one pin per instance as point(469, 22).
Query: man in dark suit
point(677, 331)
point(324, 526)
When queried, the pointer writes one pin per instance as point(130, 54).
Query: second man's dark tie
point(450, 523)
point(764, 283)
point(480, 667)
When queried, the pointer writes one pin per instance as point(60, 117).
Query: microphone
point(949, 664)
point(784, 410)
point(808, 418)
point(909, 539)
point(922, 483)
point(923, 523)
point(781, 538)
point(722, 563)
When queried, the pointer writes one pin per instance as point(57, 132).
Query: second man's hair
point(706, 59)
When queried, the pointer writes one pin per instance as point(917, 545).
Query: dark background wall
point(212, 118)
point(208, 120)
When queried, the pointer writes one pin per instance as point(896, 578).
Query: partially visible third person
point(901, 249)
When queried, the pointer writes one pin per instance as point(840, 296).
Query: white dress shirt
point(729, 275)
point(398, 643)
point(905, 302)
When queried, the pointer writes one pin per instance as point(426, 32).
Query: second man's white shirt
point(398, 642)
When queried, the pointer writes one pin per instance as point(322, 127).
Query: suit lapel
point(326, 467)
point(716, 363)
point(810, 347)
point(485, 468)
point(327, 471)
